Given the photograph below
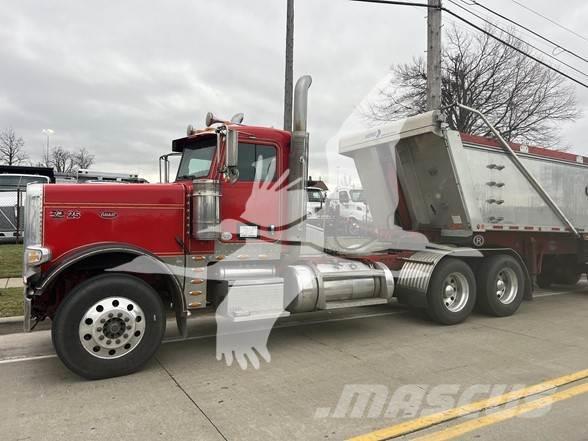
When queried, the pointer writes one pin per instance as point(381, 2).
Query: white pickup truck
point(350, 205)
point(315, 201)
point(12, 198)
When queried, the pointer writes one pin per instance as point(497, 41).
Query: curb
point(11, 282)
point(11, 320)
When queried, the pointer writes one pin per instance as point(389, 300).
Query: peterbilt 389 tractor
point(458, 221)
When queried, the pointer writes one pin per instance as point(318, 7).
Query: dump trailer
point(485, 193)
point(455, 224)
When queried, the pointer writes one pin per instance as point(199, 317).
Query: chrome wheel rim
point(507, 286)
point(112, 327)
point(456, 292)
point(354, 228)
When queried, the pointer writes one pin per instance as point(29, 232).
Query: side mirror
point(232, 154)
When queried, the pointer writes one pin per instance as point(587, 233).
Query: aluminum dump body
point(462, 184)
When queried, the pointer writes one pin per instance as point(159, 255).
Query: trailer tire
point(502, 286)
point(451, 296)
point(108, 326)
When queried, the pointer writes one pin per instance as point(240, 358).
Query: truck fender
point(150, 262)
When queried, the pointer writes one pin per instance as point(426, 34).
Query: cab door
point(251, 208)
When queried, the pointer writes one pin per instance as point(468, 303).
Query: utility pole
point(434, 55)
point(47, 132)
point(289, 77)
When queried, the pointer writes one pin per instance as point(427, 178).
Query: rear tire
point(108, 326)
point(501, 282)
point(452, 292)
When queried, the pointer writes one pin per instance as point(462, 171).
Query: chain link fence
point(11, 214)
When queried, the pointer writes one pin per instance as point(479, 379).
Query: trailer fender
point(121, 258)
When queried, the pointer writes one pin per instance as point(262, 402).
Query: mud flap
point(182, 322)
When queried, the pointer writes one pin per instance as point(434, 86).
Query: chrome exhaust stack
point(299, 162)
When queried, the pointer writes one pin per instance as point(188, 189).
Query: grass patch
point(11, 300)
point(11, 260)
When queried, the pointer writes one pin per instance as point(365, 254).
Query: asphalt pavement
point(409, 366)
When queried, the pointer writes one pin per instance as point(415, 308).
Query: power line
point(474, 2)
point(392, 2)
point(549, 20)
point(490, 34)
point(518, 38)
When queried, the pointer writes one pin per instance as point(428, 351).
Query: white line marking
point(551, 294)
point(201, 337)
point(19, 359)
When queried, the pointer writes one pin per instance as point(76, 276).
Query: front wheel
point(502, 286)
point(108, 326)
point(452, 292)
point(353, 227)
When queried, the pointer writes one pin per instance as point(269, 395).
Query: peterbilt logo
point(108, 214)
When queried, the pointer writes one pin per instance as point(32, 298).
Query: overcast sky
point(124, 78)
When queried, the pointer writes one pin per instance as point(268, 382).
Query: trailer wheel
point(502, 286)
point(452, 292)
point(108, 326)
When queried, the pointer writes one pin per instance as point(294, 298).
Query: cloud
point(125, 78)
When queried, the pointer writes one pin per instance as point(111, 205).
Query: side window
point(257, 162)
point(343, 197)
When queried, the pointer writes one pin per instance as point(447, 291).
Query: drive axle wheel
point(108, 326)
point(452, 292)
point(502, 286)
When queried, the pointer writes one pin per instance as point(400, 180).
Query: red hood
point(149, 216)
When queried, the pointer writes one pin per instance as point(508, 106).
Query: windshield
point(356, 195)
point(315, 196)
point(197, 159)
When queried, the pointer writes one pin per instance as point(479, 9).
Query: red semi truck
point(457, 221)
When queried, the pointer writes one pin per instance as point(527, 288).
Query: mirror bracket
point(231, 142)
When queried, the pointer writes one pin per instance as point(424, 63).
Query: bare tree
point(82, 158)
point(526, 101)
point(12, 148)
point(61, 160)
point(65, 161)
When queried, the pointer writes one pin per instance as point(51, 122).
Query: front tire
point(353, 227)
point(502, 286)
point(108, 326)
point(452, 292)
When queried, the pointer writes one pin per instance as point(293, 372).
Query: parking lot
point(186, 394)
